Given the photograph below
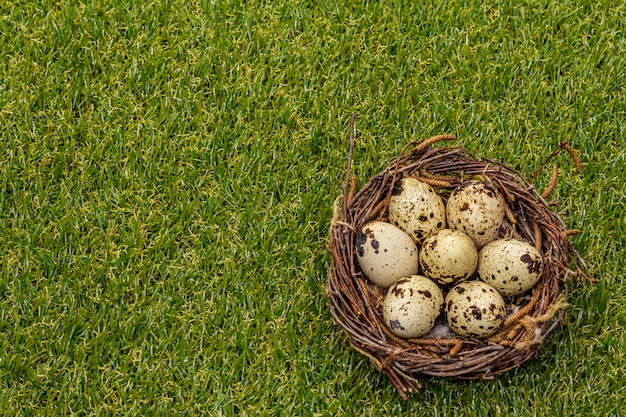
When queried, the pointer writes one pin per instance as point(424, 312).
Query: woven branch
point(356, 303)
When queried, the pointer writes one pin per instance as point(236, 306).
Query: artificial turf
point(167, 176)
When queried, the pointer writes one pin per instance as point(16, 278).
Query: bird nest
point(356, 304)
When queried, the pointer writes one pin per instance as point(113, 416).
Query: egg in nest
point(412, 305)
point(385, 253)
point(448, 256)
point(477, 209)
point(474, 309)
point(509, 265)
point(416, 208)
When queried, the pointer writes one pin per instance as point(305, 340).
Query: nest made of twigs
point(356, 303)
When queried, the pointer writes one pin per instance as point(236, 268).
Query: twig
point(425, 144)
point(553, 180)
point(351, 134)
point(573, 154)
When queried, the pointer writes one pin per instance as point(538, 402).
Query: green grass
point(167, 174)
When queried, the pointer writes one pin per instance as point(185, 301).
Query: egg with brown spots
point(474, 309)
point(448, 256)
point(477, 209)
point(385, 253)
point(416, 208)
point(412, 305)
point(509, 265)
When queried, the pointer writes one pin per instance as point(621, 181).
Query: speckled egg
point(509, 265)
point(477, 209)
point(448, 256)
point(411, 306)
point(417, 209)
point(474, 309)
point(385, 253)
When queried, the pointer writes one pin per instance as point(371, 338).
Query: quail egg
point(411, 306)
point(448, 256)
point(385, 253)
point(476, 209)
point(474, 309)
point(509, 265)
point(417, 209)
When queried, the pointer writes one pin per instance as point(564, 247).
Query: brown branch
point(425, 144)
point(537, 235)
point(553, 180)
point(351, 134)
point(573, 154)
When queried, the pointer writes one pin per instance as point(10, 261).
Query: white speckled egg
point(417, 209)
point(509, 265)
point(411, 306)
point(448, 256)
point(476, 209)
point(474, 309)
point(385, 253)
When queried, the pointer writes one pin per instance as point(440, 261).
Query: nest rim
point(355, 302)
